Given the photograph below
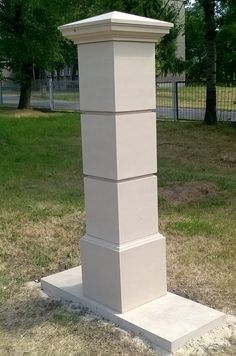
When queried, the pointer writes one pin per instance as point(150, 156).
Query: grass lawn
point(58, 95)
point(42, 220)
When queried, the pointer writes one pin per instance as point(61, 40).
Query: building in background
point(180, 7)
point(180, 42)
point(5, 73)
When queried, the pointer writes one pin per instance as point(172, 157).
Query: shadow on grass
point(30, 312)
point(34, 323)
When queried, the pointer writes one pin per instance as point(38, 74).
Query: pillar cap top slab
point(116, 26)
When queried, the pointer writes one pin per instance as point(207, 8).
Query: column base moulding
point(124, 276)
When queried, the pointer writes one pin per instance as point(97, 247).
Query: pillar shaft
point(123, 254)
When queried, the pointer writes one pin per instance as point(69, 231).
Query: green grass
point(201, 233)
point(67, 96)
point(40, 179)
point(42, 220)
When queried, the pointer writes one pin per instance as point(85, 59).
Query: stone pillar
point(123, 254)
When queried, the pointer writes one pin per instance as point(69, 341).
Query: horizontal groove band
point(87, 112)
point(124, 246)
point(119, 180)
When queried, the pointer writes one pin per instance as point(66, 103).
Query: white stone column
point(123, 255)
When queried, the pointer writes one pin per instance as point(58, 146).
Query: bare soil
point(178, 193)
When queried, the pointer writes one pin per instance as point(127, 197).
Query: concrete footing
point(168, 322)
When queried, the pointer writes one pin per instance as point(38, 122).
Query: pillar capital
point(116, 26)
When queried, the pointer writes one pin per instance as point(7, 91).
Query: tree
point(210, 40)
point(28, 37)
point(226, 42)
point(194, 41)
point(166, 60)
point(211, 46)
point(68, 50)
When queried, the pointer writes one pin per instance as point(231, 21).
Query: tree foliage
point(166, 59)
point(209, 9)
point(29, 37)
point(211, 46)
point(225, 17)
point(226, 42)
point(194, 41)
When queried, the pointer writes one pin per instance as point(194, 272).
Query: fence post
point(177, 99)
point(1, 96)
point(51, 100)
point(175, 108)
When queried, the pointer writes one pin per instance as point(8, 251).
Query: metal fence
point(184, 100)
point(180, 100)
point(48, 94)
point(65, 94)
point(9, 93)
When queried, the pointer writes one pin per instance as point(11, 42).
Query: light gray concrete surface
point(168, 322)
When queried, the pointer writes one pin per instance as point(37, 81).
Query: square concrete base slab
point(168, 322)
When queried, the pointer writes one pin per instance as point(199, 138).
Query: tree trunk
point(25, 86)
point(210, 38)
point(74, 70)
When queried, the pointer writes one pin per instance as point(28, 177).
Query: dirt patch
point(178, 193)
point(229, 159)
